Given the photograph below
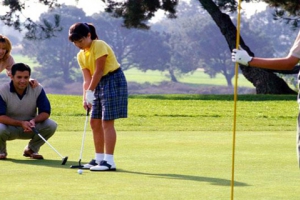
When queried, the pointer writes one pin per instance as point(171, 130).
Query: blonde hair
point(7, 46)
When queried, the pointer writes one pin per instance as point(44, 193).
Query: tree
point(136, 13)
point(57, 55)
point(43, 30)
point(133, 48)
point(201, 50)
point(278, 33)
point(287, 11)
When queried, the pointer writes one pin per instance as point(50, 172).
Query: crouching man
point(23, 107)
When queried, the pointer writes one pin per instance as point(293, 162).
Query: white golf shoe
point(104, 166)
point(92, 163)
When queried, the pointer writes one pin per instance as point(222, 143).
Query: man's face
point(21, 80)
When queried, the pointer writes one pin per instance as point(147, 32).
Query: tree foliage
point(56, 56)
point(287, 11)
point(133, 47)
point(136, 13)
point(45, 29)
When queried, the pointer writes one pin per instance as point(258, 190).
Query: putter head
point(77, 166)
point(64, 160)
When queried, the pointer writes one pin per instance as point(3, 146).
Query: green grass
point(24, 59)
point(170, 147)
point(197, 78)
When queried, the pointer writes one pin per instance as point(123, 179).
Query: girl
point(104, 89)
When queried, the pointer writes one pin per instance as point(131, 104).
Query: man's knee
point(52, 125)
point(3, 129)
point(47, 127)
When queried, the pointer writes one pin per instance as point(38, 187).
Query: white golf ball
point(79, 171)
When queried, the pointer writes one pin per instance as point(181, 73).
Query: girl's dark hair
point(80, 30)
point(20, 67)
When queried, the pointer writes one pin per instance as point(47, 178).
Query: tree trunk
point(265, 81)
point(228, 80)
point(172, 75)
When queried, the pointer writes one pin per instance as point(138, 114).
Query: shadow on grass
point(213, 181)
point(247, 97)
point(45, 162)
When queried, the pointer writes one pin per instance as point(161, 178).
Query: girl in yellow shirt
point(104, 90)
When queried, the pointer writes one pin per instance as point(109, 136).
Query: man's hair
point(20, 67)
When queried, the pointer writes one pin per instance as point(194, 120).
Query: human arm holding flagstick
point(285, 63)
point(239, 55)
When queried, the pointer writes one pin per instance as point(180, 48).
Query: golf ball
point(79, 171)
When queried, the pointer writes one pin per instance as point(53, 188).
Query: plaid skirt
point(111, 97)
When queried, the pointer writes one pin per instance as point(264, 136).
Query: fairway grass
point(170, 147)
point(159, 165)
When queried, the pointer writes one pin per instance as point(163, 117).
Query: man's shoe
point(29, 153)
point(92, 163)
point(3, 156)
point(104, 166)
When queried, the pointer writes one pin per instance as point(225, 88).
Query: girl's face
point(83, 43)
point(2, 50)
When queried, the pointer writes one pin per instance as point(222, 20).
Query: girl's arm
point(8, 64)
point(100, 63)
point(87, 77)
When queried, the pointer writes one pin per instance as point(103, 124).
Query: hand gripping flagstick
point(235, 97)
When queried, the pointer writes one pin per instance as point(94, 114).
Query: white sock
point(109, 158)
point(99, 157)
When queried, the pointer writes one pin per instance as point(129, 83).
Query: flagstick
point(235, 98)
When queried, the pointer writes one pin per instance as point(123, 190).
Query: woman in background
point(6, 60)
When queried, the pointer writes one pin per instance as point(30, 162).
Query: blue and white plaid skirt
point(111, 97)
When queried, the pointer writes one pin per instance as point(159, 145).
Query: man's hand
point(89, 96)
point(240, 56)
point(26, 125)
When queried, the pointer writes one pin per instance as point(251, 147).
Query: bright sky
point(94, 6)
point(33, 8)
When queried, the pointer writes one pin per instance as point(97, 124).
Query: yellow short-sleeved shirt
point(87, 58)
point(295, 50)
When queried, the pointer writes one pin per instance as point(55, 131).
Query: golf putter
point(298, 141)
point(82, 142)
point(64, 159)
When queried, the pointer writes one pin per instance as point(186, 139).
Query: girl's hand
point(87, 105)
